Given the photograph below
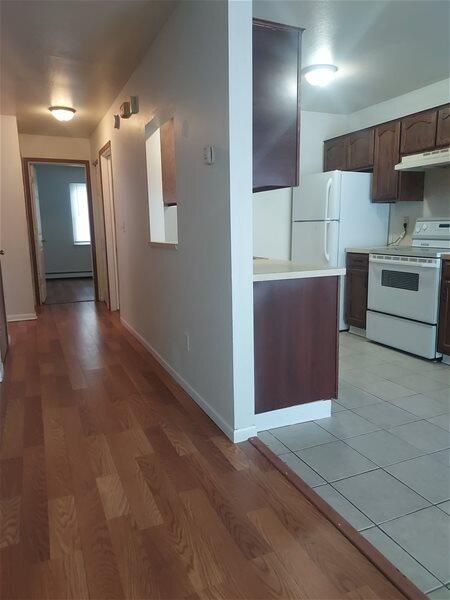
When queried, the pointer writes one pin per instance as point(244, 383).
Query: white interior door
point(38, 238)
point(110, 231)
point(315, 243)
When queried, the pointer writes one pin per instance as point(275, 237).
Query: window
point(80, 214)
point(162, 197)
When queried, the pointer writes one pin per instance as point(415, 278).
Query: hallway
point(63, 291)
point(115, 486)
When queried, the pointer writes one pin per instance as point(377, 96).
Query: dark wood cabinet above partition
point(360, 150)
point(443, 127)
point(444, 310)
point(276, 105)
point(335, 154)
point(418, 132)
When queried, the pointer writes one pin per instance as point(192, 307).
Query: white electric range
point(403, 295)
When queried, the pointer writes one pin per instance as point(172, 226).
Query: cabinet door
point(419, 132)
point(444, 310)
point(276, 106)
point(335, 154)
point(443, 127)
point(356, 281)
point(386, 156)
point(360, 150)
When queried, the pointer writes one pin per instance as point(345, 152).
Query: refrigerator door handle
point(327, 201)
point(325, 242)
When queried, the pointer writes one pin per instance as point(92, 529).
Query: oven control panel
point(431, 233)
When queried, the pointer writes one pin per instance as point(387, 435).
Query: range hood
point(425, 160)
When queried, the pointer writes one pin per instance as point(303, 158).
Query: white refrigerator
point(332, 212)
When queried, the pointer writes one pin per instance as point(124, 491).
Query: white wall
point(67, 148)
point(421, 99)
point(436, 201)
point(16, 264)
point(168, 293)
point(272, 210)
point(52, 146)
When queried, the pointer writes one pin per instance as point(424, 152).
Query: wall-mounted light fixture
point(62, 113)
point(320, 75)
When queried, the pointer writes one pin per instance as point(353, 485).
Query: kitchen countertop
point(265, 269)
point(359, 250)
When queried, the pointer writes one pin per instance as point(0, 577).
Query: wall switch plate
point(209, 155)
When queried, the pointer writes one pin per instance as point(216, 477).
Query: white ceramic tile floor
point(383, 457)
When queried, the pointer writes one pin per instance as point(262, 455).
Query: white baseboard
point(22, 317)
point(235, 435)
point(292, 415)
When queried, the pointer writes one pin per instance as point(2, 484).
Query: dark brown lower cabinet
point(356, 281)
point(444, 310)
point(296, 340)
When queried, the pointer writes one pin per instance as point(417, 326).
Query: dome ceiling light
point(319, 75)
point(62, 113)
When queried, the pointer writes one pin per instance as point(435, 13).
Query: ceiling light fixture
point(62, 113)
point(320, 75)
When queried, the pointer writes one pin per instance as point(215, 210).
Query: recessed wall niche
point(161, 181)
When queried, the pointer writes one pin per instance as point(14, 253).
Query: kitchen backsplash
point(436, 203)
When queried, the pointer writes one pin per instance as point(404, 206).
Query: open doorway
point(59, 205)
point(109, 221)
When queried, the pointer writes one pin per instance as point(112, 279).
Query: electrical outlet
point(406, 222)
point(187, 342)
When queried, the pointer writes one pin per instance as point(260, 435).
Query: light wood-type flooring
point(115, 484)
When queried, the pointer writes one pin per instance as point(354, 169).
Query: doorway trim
point(105, 152)
point(26, 162)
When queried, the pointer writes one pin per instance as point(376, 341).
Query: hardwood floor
point(75, 289)
point(115, 484)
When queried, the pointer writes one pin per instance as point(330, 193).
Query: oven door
point(404, 286)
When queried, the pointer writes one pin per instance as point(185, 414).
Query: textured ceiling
point(383, 48)
point(71, 52)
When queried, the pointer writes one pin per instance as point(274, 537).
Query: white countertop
point(359, 250)
point(265, 269)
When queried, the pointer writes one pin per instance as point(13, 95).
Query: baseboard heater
point(68, 274)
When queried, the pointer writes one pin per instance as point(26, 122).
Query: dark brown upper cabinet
point(335, 154)
point(276, 105)
point(443, 127)
point(360, 150)
point(418, 132)
point(388, 184)
point(386, 156)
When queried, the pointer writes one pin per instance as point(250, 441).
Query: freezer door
point(315, 243)
point(318, 197)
